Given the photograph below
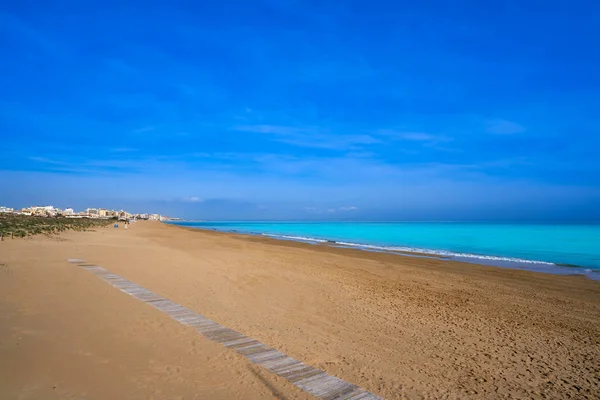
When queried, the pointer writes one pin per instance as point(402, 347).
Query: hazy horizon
point(300, 110)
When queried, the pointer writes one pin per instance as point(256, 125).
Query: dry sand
point(396, 326)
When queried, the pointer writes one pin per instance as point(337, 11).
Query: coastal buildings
point(102, 213)
point(43, 211)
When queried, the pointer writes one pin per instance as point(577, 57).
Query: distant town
point(100, 213)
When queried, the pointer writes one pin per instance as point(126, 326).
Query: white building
point(5, 209)
point(42, 210)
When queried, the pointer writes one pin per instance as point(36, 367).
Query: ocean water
point(552, 248)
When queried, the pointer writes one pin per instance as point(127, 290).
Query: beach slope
point(394, 325)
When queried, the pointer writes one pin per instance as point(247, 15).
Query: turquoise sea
point(551, 248)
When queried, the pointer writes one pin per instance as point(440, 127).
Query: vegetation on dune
point(18, 226)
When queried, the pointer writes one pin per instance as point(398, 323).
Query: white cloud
point(350, 208)
point(193, 199)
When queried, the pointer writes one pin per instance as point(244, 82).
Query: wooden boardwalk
point(307, 378)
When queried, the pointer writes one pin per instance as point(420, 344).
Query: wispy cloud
point(193, 199)
point(120, 66)
point(336, 142)
point(144, 129)
point(275, 129)
point(361, 154)
point(123, 150)
point(413, 136)
point(348, 208)
point(419, 137)
point(45, 160)
point(314, 137)
point(16, 26)
point(79, 164)
point(503, 127)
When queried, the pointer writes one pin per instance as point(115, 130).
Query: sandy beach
point(400, 327)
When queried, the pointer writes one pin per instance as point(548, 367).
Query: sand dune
point(394, 325)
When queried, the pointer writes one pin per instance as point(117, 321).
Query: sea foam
point(403, 249)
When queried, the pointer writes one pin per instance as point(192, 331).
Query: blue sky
point(303, 109)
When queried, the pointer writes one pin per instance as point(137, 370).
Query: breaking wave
point(404, 249)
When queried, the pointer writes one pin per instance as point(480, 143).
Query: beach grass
point(19, 226)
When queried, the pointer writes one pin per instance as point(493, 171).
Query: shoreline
point(536, 266)
point(472, 270)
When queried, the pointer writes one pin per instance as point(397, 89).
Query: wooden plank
point(310, 379)
point(283, 364)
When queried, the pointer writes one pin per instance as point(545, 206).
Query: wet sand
point(397, 326)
